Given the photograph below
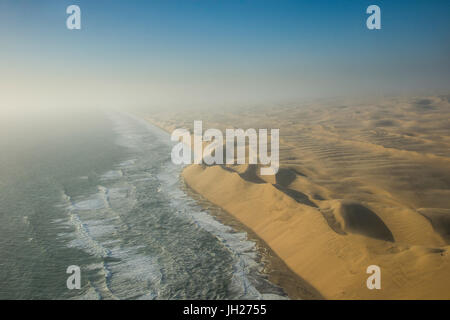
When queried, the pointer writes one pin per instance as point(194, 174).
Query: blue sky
point(201, 51)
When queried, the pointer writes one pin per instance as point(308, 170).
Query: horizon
point(218, 54)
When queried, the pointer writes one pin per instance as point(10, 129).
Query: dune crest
point(331, 262)
point(360, 183)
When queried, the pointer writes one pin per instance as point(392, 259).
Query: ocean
point(99, 191)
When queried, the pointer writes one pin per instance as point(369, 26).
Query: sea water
point(100, 192)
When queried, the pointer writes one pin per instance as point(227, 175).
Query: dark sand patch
point(250, 174)
point(296, 195)
point(360, 219)
point(285, 177)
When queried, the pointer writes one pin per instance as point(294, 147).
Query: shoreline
point(275, 268)
point(321, 234)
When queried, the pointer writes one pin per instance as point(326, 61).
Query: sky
point(218, 52)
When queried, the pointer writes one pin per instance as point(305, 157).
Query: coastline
point(275, 268)
point(309, 226)
point(335, 264)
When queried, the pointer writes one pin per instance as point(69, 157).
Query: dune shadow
point(285, 177)
point(424, 104)
point(250, 174)
point(296, 195)
point(362, 220)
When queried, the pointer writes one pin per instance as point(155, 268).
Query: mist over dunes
point(360, 183)
point(356, 180)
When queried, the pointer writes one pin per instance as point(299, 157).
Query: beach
point(107, 199)
point(230, 151)
point(360, 183)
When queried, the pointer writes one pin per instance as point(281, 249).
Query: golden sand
point(360, 184)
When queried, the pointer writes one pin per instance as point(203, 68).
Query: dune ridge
point(359, 184)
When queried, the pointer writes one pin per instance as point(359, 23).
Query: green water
point(99, 191)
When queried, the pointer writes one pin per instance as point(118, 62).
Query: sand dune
point(360, 183)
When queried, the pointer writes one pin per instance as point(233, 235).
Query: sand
point(361, 183)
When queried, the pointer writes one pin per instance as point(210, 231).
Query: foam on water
point(113, 174)
point(153, 240)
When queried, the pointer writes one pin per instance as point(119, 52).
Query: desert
point(360, 183)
